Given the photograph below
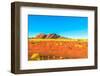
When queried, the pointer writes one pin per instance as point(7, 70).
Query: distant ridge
point(49, 36)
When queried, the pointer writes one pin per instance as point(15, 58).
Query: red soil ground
point(60, 49)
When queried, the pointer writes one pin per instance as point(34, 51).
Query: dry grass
point(85, 40)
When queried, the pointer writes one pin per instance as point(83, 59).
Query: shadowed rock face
point(48, 36)
point(52, 36)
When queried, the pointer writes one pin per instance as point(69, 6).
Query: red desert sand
point(52, 49)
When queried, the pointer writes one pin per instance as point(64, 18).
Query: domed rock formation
point(48, 36)
point(41, 36)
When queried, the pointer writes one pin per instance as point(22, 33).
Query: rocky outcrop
point(52, 36)
point(41, 36)
point(48, 36)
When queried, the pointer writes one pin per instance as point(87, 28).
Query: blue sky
point(67, 26)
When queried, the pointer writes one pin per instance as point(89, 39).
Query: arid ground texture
point(53, 49)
